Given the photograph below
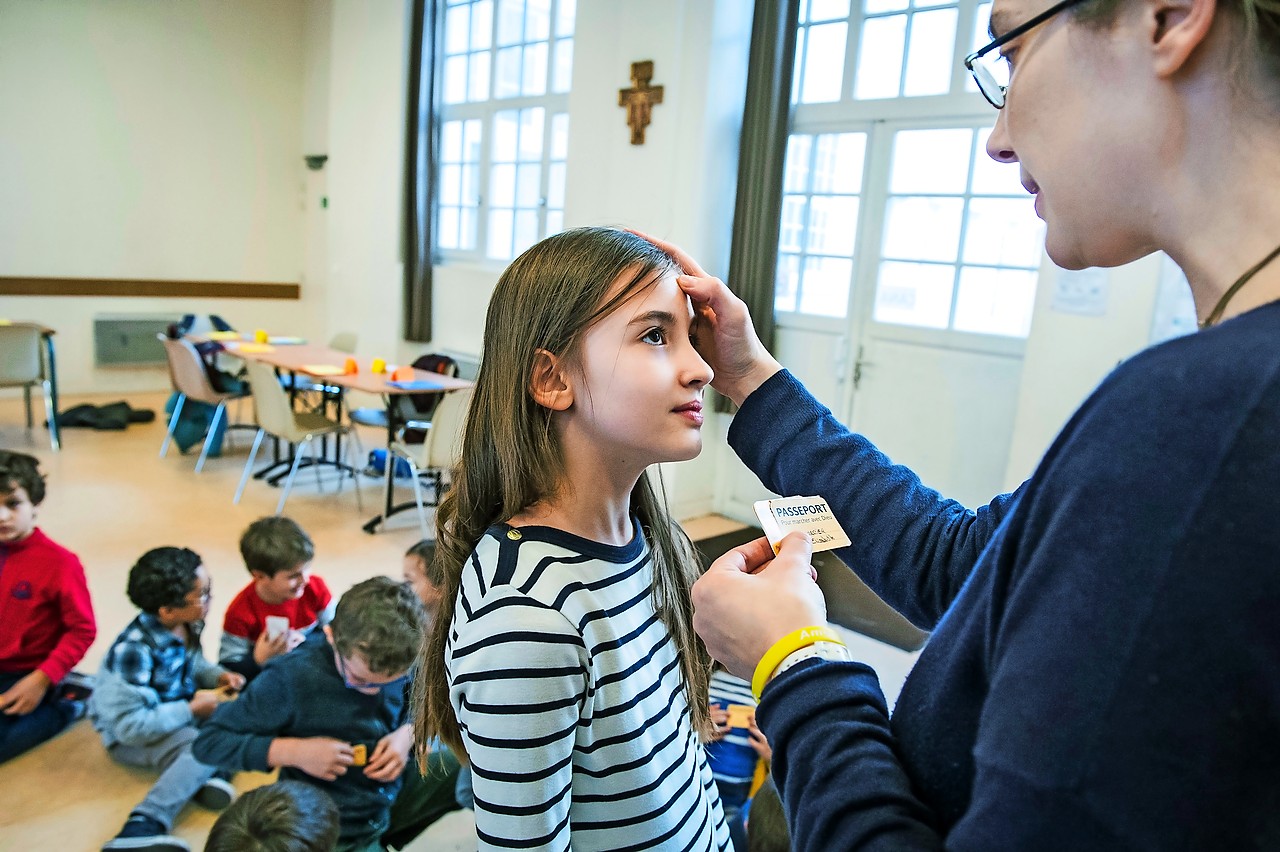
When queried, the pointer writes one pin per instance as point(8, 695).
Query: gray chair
point(191, 381)
point(300, 428)
point(22, 365)
point(439, 453)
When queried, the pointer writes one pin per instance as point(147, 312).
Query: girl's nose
point(999, 145)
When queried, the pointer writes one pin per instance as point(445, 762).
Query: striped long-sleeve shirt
point(569, 693)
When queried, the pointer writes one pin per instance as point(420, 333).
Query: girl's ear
point(548, 384)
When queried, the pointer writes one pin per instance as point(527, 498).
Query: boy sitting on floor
point(284, 602)
point(333, 714)
point(146, 704)
point(46, 618)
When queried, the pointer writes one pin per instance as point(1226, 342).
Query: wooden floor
point(110, 498)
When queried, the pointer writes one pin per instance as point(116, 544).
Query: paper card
point(283, 340)
point(224, 335)
point(740, 715)
point(321, 369)
point(800, 514)
point(252, 348)
point(277, 625)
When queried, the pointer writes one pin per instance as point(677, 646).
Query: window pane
point(502, 186)
point(451, 142)
point(796, 172)
point(838, 162)
point(828, 10)
point(450, 185)
point(467, 229)
point(833, 222)
point(930, 161)
point(510, 21)
point(526, 230)
point(504, 135)
point(455, 79)
point(501, 225)
point(797, 70)
point(916, 294)
point(1003, 232)
point(880, 62)
point(995, 301)
point(531, 133)
point(457, 24)
point(933, 39)
point(507, 81)
point(471, 185)
point(447, 236)
point(555, 222)
point(824, 289)
point(471, 141)
point(555, 185)
point(482, 25)
point(537, 20)
point(562, 70)
point(529, 185)
point(875, 7)
point(560, 136)
point(565, 13)
point(788, 278)
point(479, 87)
point(923, 228)
point(535, 69)
point(792, 231)
point(990, 177)
point(824, 63)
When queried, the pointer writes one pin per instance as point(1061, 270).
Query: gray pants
point(181, 775)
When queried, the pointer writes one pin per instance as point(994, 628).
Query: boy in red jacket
point(46, 617)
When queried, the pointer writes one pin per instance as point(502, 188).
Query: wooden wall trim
point(129, 287)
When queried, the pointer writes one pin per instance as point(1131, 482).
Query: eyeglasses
point(992, 74)
point(360, 684)
point(202, 597)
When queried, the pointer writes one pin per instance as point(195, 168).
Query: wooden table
point(304, 358)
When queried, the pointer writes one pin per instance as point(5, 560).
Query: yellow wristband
point(793, 641)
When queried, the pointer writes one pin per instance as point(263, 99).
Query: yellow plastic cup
point(379, 365)
point(260, 336)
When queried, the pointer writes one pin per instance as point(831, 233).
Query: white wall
point(150, 140)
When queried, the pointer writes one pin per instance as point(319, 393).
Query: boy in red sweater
point(284, 603)
point(46, 618)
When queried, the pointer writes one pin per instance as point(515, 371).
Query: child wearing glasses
point(153, 690)
point(332, 713)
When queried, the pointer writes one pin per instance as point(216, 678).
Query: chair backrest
point(20, 355)
point(421, 406)
point(187, 370)
point(270, 400)
point(443, 445)
point(344, 341)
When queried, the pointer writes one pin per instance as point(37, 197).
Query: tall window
point(888, 188)
point(505, 125)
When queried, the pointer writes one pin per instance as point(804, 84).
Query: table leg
point(54, 437)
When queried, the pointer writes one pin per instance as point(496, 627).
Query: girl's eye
point(656, 336)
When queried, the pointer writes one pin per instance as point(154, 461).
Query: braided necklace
point(1218, 309)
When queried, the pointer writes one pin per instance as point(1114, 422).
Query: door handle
point(857, 367)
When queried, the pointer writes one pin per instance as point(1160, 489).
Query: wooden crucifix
point(640, 99)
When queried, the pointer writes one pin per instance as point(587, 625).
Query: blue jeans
point(21, 733)
point(181, 775)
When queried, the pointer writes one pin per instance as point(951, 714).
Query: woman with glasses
point(1104, 667)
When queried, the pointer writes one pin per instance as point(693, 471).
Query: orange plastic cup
point(350, 367)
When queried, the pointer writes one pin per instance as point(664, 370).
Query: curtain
point(420, 167)
point(753, 254)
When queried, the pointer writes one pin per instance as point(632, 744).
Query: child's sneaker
point(144, 833)
point(75, 687)
point(216, 794)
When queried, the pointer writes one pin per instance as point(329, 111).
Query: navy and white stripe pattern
point(569, 693)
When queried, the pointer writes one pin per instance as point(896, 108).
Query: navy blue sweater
point(301, 694)
point(1104, 670)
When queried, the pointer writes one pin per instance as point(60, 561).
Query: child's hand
point(231, 680)
point(320, 757)
point(267, 647)
point(719, 718)
point(758, 741)
point(204, 702)
point(25, 695)
point(296, 638)
point(390, 755)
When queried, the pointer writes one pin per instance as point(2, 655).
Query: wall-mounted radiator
point(129, 340)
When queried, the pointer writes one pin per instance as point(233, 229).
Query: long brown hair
point(511, 456)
